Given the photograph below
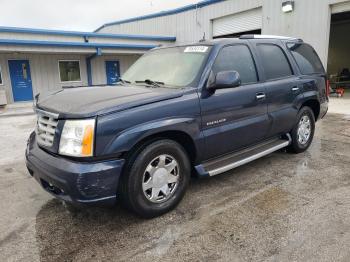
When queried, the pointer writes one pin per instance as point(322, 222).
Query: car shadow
point(62, 230)
point(65, 233)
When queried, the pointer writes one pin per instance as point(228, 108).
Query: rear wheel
point(303, 131)
point(156, 178)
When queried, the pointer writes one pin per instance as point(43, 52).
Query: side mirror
point(224, 79)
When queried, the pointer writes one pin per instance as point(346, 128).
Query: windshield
point(175, 66)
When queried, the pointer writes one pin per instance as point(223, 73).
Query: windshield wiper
point(151, 82)
point(123, 81)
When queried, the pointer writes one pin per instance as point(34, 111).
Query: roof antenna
point(203, 39)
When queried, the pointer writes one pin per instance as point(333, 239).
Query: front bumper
point(72, 181)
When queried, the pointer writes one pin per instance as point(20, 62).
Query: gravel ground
point(283, 207)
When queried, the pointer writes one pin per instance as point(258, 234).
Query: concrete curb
point(16, 114)
point(17, 110)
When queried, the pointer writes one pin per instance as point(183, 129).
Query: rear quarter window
point(275, 62)
point(306, 58)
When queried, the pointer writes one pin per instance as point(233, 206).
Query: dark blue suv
point(203, 108)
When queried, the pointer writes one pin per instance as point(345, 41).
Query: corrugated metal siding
point(99, 67)
point(244, 21)
point(44, 71)
point(45, 75)
point(43, 49)
point(76, 39)
point(310, 21)
point(27, 36)
point(187, 26)
point(42, 43)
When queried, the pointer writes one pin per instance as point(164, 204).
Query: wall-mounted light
point(287, 6)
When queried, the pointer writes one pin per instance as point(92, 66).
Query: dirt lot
point(282, 207)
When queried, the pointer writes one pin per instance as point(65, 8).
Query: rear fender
point(307, 96)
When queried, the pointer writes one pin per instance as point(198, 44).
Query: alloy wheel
point(161, 178)
point(304, 130)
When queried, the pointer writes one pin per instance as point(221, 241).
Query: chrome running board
point(231, 161)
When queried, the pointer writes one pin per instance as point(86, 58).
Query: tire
point(301, 143)
point(163, 166)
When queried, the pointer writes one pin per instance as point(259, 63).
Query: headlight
point(77, 138)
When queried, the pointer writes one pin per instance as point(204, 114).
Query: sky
point(78, 15)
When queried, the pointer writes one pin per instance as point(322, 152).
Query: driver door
point(233, 118)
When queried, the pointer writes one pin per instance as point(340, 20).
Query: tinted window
point(237, 58)
point(274, 61)
point(306, 58)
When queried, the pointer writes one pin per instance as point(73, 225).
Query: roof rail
point(269, 37)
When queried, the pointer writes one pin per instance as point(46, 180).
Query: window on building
point(306, 58)
point(275, 62)
point(237, 58)
point(0, 76)
point(69, 71)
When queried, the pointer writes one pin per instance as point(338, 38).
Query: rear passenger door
point(233, 118)
point(282, 86)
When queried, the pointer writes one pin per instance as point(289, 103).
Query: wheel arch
point(181, 137)
point(314, 104)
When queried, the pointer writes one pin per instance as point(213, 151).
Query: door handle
point(260, 96)
point(295, 88)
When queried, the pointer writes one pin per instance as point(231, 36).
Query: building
point(55, 56)
point(36, 61)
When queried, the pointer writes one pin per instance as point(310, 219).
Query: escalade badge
point(215, 122)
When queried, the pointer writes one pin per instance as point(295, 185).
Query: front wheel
point(156, 178)
point(303, 131)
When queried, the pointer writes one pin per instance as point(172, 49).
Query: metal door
point(233, 118)
point(282, 86)
point(112, 72)
point(236, 23)
point(21, 80)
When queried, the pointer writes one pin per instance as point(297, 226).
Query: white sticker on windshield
point(196, 49)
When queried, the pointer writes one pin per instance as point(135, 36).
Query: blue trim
point(163, 13)
point(88, 70)
point(86, 35)
point(73, 44)
point(88, 65)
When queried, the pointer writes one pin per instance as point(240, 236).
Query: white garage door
point(236, 23)
point(340, 8)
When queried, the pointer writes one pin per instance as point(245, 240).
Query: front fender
point(128, 138)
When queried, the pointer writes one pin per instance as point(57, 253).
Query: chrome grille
point(46, 128)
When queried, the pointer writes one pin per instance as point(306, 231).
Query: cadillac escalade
point(200, 109)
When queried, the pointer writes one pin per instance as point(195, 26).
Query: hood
point(82, 102)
